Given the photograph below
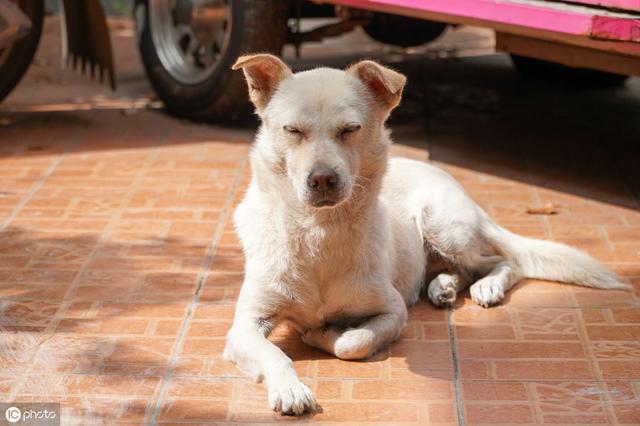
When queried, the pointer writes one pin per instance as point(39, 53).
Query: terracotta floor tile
point(492, 332)
point(209, 328)
point(85, 384)
point(424, 311)
point(515, 350)
point(99, 410)
point(613, 332)
point(110, 304)
point(329, 389)
point(349, 370)
point(200, 388)
point(410, 354)
point(474, 369)
point(614, 299)
point(494, 392)
point(7, 383)
point(435, 331)
point(626, 316)
point(225, 279)
point(476, 315)
point(33, 313)
point(543, 299)
point(403, 390)
point(498, 413)
point(48, 293)
point(141, 310)
point(203, 346)
point(548, 324)
point(627, 369)
point(369, 412)
point(110, 326)
point(73, 354)
point(177, 410)
point(219, 294)
point(542, 370)
point(165, 327)
point(627, 414)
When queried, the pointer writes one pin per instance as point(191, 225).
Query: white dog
point(339, 240)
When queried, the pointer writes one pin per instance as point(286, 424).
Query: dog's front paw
point(291, 396)
point(487, 292)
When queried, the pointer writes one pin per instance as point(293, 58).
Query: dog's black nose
point(322, 179)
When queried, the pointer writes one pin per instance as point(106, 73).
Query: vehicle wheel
point(569, 76)
point(402, 31)
point(15, 59)
point(188, 48)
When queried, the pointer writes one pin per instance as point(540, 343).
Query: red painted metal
point(630, 5)
point(537, 15)
point(607, 28)
point(557, 21)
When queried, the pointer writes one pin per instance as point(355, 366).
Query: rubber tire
point(555, 73)
point(223, 96)
point(23, 50)
point(402, 31)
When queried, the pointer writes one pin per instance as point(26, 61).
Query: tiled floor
point(119, 269)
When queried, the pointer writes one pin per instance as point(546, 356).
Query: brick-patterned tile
point(121, 265)
point(494, 391)
point(498, 413)
point(199, 388)
point(403, 390)
point(542, 370)
point(97, 410)
point(193, 410)
point(370, 412)
point(88, 384)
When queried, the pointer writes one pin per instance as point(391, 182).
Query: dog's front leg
point(364, 340)
point(248, 347)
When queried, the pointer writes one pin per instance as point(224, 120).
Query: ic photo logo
point(13, 414)
point(30, 413)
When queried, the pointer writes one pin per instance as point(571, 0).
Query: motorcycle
point(86, 42)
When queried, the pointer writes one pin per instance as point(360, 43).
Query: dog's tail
point(548, 260)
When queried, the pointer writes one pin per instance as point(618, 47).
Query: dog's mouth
point(325, 199)
point(325, 202)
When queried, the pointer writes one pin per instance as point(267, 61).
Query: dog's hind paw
point(487, 292)
point(291, 397)
point(443, 290)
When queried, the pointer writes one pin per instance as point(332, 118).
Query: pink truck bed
point(603, 34)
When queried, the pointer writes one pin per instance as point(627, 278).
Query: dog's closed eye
point(292, 130)
point(348, 130)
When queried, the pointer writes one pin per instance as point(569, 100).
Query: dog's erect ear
point(385, 84)
point(264, 73)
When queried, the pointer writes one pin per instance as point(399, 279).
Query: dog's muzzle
point(324, 187)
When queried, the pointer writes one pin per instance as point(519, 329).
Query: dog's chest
point(337, 278)
point(335, 300)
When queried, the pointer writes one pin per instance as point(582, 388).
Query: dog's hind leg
point(491, 289)
point(364, 340)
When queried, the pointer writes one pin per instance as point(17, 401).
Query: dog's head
point(322, 129)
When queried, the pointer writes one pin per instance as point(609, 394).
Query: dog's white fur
point(344, 275)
